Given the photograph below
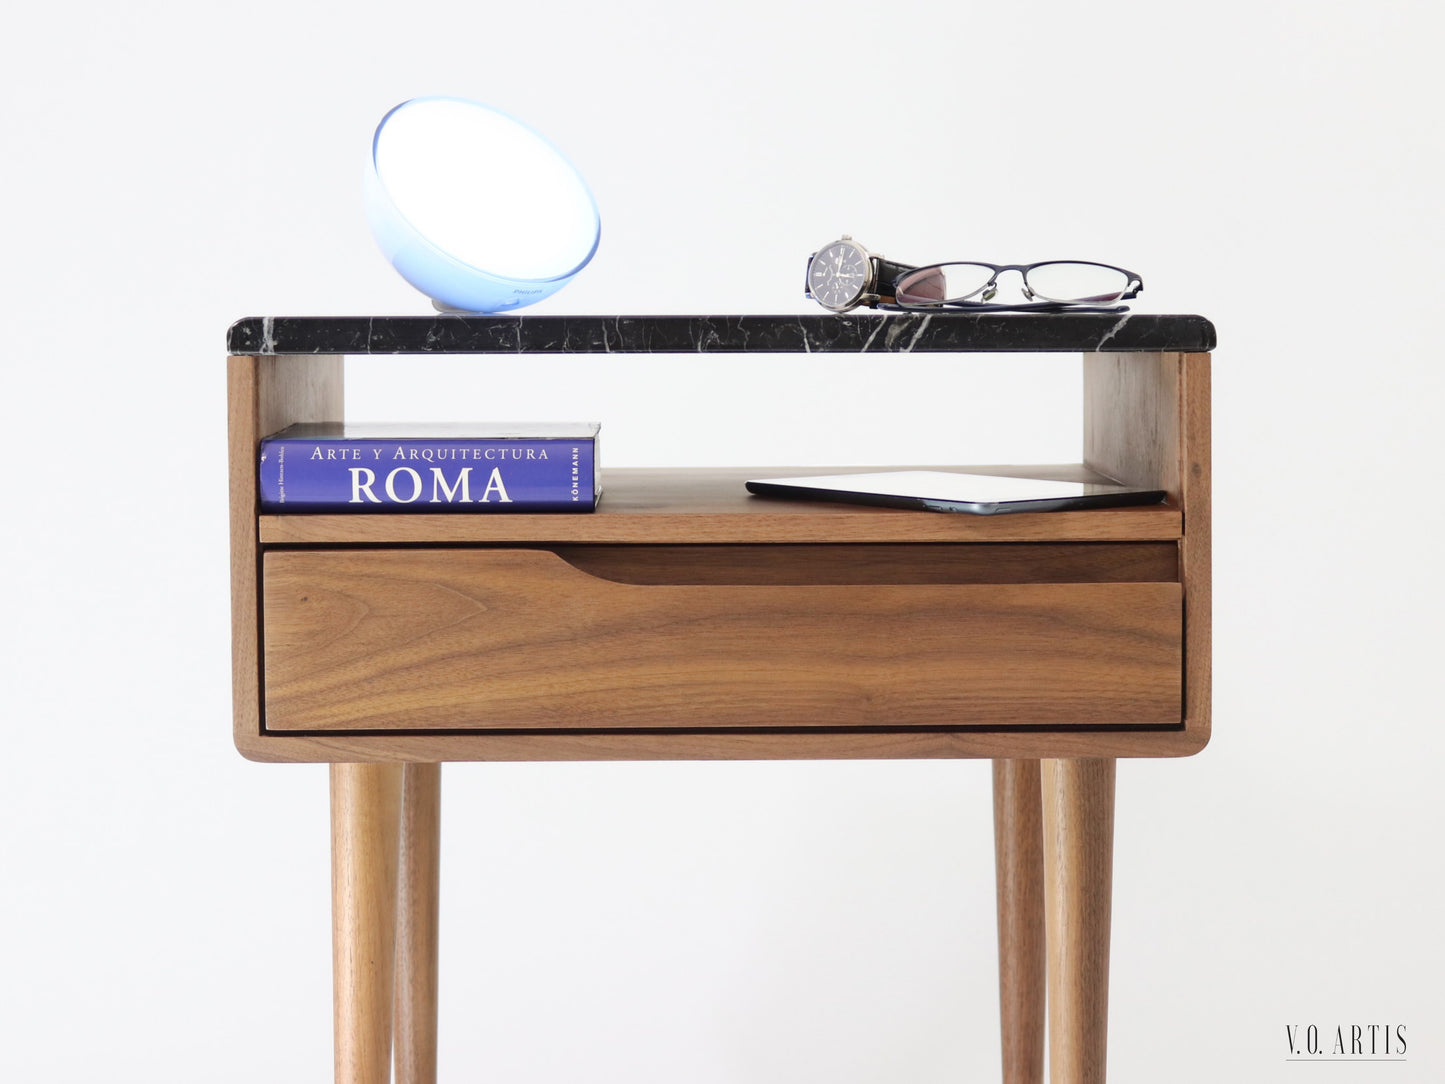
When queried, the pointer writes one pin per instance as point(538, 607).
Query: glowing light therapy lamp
point(475, 209)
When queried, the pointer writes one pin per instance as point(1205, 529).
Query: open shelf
point(711, 506)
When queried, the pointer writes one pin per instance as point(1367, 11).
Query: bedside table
point(685, 619)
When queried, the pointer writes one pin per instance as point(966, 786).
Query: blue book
point(521, 467)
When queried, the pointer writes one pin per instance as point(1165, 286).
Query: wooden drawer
point(488, 639)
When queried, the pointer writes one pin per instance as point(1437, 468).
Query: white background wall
point(168, 169)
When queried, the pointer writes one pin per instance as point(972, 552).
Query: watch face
point(838, 274)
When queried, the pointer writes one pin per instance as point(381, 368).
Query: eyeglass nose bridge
point(990, 290)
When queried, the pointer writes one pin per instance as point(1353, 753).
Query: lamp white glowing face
point(475, 209)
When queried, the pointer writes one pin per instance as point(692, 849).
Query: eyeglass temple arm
point(987, 307)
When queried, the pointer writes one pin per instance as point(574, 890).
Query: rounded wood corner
point(1196, 738)
point(257, 749)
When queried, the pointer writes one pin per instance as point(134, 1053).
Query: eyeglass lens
point(943, 282)
point(1063, 281)
point(1077, 282)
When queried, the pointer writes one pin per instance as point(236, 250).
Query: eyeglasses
point(1074, 285)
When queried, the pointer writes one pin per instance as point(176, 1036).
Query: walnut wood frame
point(1146, 422)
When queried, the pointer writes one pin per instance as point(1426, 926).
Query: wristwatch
point(844, 275)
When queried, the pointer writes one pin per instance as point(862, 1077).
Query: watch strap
point(886, 276)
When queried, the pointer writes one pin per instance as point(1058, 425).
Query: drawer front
point(493, 639)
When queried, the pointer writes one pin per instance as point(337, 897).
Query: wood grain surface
point(691, 506)
point(1022, 958)
point(1131, 419)
point(262, 396)
point(912, 562)
point(804, 743)
point(1078, 822)
point(464, 639)
point(1196, 548)
point(365, 820)
point(1156, 404)
point(1147, 422)
point(417, 916)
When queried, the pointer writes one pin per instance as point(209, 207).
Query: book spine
point(450, 475)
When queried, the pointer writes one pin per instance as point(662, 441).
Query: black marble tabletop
point(870, 332)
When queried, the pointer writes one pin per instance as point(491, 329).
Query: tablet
point(948, 491)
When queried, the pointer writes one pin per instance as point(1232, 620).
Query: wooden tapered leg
point(416, 929)
point(1019, 862)
point(365, 819)
point(1078, 806)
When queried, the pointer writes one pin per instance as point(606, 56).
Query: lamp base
point(451, 310)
